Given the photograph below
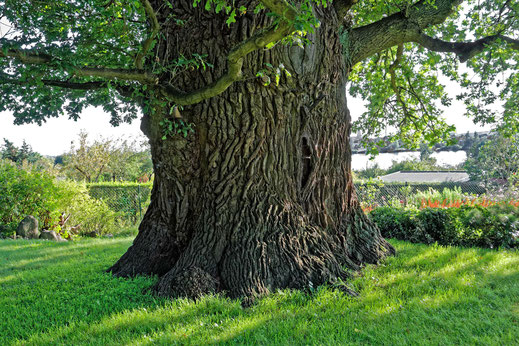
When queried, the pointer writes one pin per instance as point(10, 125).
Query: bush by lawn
point(58, 293)
point(490, 226)
point(66, 206)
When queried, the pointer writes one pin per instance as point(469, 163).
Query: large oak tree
point(244, 105)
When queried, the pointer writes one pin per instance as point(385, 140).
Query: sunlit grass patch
point(59, 293)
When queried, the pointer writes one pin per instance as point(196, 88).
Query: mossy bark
point(260, 197)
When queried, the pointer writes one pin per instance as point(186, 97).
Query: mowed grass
point(58, 293)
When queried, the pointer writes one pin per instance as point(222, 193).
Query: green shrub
point(90, 214)
point(397, 223)
point(494, 226)
point(25, 193)
point(439, 225)
point(491, 227)
point(8, 230)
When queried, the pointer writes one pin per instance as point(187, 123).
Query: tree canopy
point(494, 161)
point(57, 57)
point(17, 155)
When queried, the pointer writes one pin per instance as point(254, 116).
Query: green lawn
point(58, 293)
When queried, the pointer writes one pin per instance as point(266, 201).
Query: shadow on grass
point(423, 295)
point(46, 285)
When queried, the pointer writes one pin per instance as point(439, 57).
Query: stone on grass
point(28, 228)
point(51, 235)
point(92, 234)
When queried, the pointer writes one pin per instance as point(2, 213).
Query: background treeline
point(88, 160)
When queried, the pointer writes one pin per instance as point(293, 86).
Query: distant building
point(426, 177)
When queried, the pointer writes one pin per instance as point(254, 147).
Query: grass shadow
point(425, 294)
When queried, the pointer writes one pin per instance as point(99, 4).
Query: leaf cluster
point(411, 100)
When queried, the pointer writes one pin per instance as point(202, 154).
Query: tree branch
point(397, 28)
point(38, 58)
point(235, 58)
point(155, 27)
point(464, 50)
point(261, 39)
point(56, 83)
point(82, 172)
point(408, 26)
point(394, 86)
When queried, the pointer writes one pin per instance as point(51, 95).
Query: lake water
point(444, 158)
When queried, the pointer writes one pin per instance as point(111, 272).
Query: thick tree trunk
point(260, 197)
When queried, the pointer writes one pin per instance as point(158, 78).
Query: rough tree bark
point(260, 197)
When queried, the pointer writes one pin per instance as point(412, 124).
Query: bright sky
point(54, 136)
point(453, 115)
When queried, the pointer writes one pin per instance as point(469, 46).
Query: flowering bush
point(481, 202)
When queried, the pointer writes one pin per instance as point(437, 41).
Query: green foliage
point(469, 225)
point(495, 159)
point(368, 191)
point(492, 226)
point(27, 159)
point(438, 225)
point(370, 172)
point(89, 215)
point(425, 294)
point(265, 74)
point(173, 127)
point(128, 200)
point(93, 32)
point(412, 107)
point(487, 86)
point(87, 161)
point(19, 155)
point(25, 193)
point(414, 114)
point(397, 223)
point(108, 160)
point(110, 35)
point(182, 64)
point(130, 160)
point(415, 165)
point(446, 196)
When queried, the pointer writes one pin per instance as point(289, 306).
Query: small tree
point(107, 159)
point(88, 161)
point(494, 160)
point(426, 153)
point(130, 159)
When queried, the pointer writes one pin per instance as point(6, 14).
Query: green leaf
point(232, 18)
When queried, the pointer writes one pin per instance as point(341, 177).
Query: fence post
point(139, 197)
